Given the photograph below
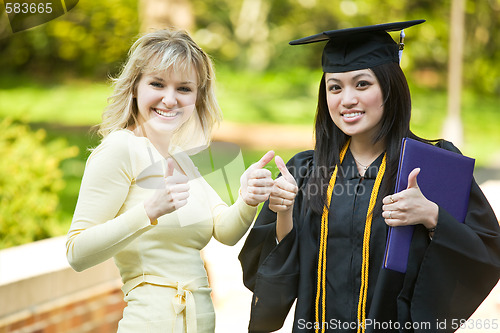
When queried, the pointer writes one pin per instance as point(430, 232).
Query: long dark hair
point(330, 139)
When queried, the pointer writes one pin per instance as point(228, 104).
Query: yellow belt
point(183, 301)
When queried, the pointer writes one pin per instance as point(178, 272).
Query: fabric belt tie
point(183, 301)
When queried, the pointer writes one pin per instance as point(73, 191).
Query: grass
point(71, 103)
point(277, 98)
point(70, 108)
point(480, 121)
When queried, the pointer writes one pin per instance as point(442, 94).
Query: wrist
point(286, 213)
point(246, 200)
point(151, 213)
point(284, 224)
point(432, 218)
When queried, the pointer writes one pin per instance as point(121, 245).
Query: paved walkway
point(231, 298)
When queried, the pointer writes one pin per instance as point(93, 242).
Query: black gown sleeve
point(271, 270)
point(459, 267)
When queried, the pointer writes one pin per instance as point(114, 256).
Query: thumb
point(412, 178)
point(170, 168)
point(264, 160)
point(283, 169)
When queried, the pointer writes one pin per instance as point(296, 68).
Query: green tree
point(91, 39)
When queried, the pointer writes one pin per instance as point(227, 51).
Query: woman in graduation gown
point(321, 236)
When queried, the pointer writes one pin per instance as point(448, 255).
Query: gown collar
point(350, 170)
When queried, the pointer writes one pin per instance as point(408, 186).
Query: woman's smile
point(165, 113)
point(351, 116)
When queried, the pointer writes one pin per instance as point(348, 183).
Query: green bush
point(30, 180)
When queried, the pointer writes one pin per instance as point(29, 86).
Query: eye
point(185, 89)
point(156, 84)
point(334, 88)
point(363, 84)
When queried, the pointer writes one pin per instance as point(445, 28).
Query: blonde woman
point(142, 200)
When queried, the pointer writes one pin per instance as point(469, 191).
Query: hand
point(170, 198)
point(284, 190)
point(257, 182)
point(410, 206)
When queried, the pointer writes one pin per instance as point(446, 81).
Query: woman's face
point(166, 100)
point(355, 102)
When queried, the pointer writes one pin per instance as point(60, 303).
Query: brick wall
point(99, 313)
point(51, 297)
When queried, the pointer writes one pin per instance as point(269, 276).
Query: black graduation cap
point(358, 48)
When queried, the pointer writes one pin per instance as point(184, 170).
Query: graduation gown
point(446, 279)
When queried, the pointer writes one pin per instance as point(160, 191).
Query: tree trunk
point(453, 128)
point(160, 14)
point(252, 31)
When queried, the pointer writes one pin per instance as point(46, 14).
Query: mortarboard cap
point(358, 48)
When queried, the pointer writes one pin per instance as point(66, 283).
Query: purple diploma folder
point(445, 178)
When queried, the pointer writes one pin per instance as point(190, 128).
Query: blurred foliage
point(236, 32)
point(93, 38)
point(30, 181)
point(89, 40)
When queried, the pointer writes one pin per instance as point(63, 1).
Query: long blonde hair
point(157, 51)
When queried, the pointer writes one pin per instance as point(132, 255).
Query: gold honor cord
point(321, 280)
point(366, 248)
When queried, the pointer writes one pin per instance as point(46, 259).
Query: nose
point(169, 99)
point(349, 97)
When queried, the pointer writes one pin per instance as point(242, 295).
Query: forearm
point(90, 244)
point(231, 223)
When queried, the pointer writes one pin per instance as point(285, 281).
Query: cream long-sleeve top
point(110, 219)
